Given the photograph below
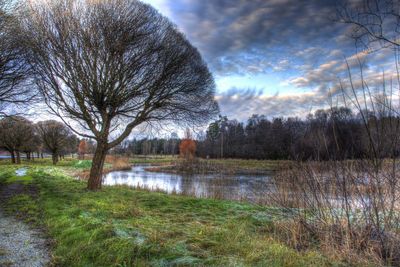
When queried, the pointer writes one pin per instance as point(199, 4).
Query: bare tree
point(33, 145)
point(55, 137)
point(113, 65)
point(15, 133)
point(13, 70)
point(375, 23)
point(71, 146)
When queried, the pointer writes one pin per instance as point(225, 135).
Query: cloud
point(328, 75)
point(233, 35)
point(297, 42)
point(242, 103)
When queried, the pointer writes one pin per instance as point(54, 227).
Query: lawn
point(119, 226)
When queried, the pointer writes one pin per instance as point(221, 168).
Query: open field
point(119, 226)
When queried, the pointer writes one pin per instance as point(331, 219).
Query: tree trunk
point(12, 157)
point(96, 172)
point(54, 157)
point(41, 155)
point(18, 157)
point(28, 157)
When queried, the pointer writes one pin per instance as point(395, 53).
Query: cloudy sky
point(271, 57)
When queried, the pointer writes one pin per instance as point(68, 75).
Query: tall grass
point(118, 162)
point(351, 209)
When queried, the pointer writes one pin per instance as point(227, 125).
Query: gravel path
point(20, 245)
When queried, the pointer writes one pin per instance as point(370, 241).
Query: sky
point(271, 57)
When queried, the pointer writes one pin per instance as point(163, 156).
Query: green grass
point(235, 165)
point(67, 162)
point(228, 165)
point(249, 165)
point(26, 179)
point(118, 226)
point(153, 159)
point(82, 164)
point(243, 164)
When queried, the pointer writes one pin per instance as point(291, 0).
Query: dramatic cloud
point(234, 35)
point(239, 103)
point(293, 52)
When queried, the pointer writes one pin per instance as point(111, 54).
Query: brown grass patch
point(118, 163)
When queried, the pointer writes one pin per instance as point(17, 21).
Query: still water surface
point(234, 187)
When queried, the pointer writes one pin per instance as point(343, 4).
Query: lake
point(234, 187)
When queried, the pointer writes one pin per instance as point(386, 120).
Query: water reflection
point(21, 172)
point(235, 187)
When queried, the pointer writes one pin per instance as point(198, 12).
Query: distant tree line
point(147, 146)
point(19, 136)
point(336, 133)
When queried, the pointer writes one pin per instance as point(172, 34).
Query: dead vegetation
point(113, 163)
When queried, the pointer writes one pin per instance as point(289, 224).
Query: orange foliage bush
point(82, 149)
point(187, 149)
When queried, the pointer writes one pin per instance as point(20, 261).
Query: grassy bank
point(228, 166)
point(119, 226)
point(77, 167)
point(153, 159)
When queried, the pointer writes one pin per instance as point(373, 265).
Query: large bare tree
point(113, 65)
point(13, 70)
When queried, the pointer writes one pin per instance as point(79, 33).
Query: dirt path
point(20, 245)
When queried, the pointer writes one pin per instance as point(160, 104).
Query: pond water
point(235, 187)
point(21, 172)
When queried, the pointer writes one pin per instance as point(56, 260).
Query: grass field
point(119, 226)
